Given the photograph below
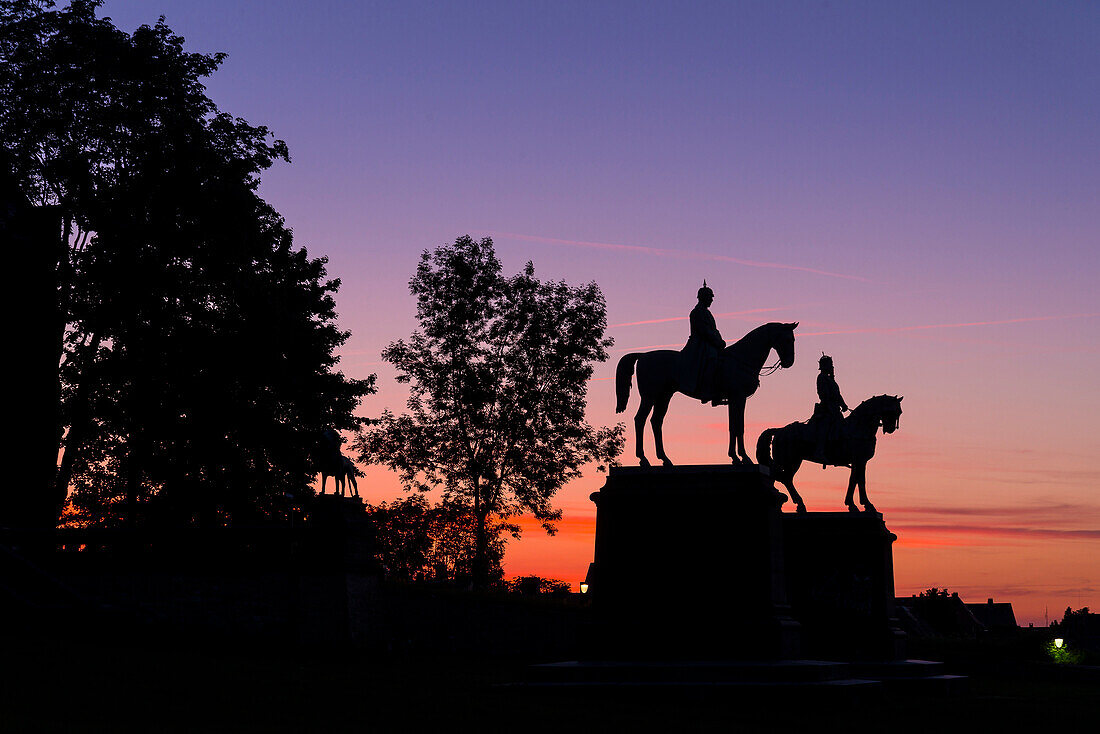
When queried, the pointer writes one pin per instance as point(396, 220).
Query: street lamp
point(588, 578)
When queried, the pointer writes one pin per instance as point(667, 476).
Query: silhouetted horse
point(329, 459)
point(659, 379)
point(347, 473)
point(783, 450)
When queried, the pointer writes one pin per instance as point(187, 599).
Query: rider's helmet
point(705, 291)
point(825, 363)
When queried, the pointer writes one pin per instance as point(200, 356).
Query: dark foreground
point(49, 685)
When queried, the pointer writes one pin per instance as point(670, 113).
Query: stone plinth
point(840, 583)
point(689, 564)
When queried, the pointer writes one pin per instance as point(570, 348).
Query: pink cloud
point(1045, 533)
point(729, 314)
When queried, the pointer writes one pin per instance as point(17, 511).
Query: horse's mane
point(752, 335)
point(870, 406)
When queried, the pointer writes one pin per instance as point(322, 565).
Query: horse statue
point(660, 376)
point(783, 450)
point(329, 459)
point(348, 472)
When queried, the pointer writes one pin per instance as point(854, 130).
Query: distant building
point(938, 615)
point(943, 615)
point(994, 616)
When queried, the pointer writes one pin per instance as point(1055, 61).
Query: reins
point(763, 371)
point(770, 369)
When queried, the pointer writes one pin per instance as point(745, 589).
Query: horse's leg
point(324, 478)
point(851, 488)
point(737, 430)
point(354, 484)
point(861, 482)
point(660, 407)
point(788, 482)
point(734, 420)
point(639, 429)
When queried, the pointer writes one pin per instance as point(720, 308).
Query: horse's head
point(783, 342)
point(881, 410)
point(890, 412)
point(892, 418)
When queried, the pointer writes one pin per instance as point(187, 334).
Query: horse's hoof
point(869, 508)
point(801, 509)
point(643, 461)
point(852, 507)
point(666, 462)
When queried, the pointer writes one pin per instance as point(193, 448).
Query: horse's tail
point(623, 372)
point(764, 448)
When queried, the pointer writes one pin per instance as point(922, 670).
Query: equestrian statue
point(829, 438)
point(705, 369)
point(332, 463)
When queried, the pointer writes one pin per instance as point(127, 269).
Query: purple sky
point(907, 165)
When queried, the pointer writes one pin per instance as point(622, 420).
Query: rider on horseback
point(702, 353)
point(828, 418)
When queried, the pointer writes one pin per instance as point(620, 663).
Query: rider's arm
point(713, 335)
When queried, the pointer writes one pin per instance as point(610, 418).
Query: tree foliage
point(497, 372)
point(419, 541)
point(195, 343)
point(538, 585)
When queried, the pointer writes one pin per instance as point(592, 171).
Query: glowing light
point(584, 587)
point(1058, 642)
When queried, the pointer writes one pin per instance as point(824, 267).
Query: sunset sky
point(917, 184)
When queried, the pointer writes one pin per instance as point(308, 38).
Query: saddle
point(701, 375)
point(824, 427)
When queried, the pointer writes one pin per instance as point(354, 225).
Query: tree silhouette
point(195, 343)
point(497, 374)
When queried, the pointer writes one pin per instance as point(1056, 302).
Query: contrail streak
point(648, 347)
point(897, 329)
point(685, 318)
point(668, 252)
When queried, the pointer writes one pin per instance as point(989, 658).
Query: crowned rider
point(828, 413)
point(703, 352)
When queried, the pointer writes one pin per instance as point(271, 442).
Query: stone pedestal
point(840, 582)
point(689, 564)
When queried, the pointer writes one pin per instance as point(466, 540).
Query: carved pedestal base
point(689, 564)
point(699, 562)
point(840, 583)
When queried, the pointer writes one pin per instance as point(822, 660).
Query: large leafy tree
point(498, 373)
point(195, 343)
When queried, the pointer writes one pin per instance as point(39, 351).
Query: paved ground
point(52, 685)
